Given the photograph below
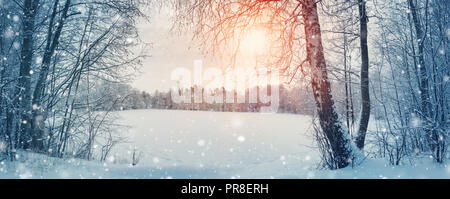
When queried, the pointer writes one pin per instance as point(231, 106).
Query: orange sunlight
point(254, 41)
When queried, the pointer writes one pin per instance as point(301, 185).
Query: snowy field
point(196, 144)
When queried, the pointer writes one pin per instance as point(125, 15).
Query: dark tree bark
point(39, 115)
point(23, 90)
point(329, 121)
point(365, 96)
point(423, 86)
point(435, 141)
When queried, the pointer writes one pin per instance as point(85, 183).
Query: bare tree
point(66, 48)
point(218, 21)
point(365, 92)
point(23, 90)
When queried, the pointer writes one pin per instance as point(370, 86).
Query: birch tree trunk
point(365, 96)
point(329, 120)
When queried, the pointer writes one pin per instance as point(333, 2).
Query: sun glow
point(254, 41)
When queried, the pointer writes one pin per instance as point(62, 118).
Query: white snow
point(197, 144)
point(16, 18)
point(9, 33)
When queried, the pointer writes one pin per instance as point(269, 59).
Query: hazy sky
point(169, 51)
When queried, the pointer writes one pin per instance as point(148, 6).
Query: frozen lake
point(219, 144)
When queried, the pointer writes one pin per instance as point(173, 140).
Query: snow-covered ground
point(196, 144)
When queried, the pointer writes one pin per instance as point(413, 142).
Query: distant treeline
point(124, 97)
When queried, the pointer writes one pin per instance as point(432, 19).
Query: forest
point(373, 74)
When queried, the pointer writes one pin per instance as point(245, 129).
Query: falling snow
point(16, 45)
point(201, 143)
point(16, 18)
point(9, 33)
point(38, 60)
point(415, 122)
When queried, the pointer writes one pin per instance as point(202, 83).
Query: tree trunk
point(423, 86)
point(329, 121)
point(23, 91)
point(39, 115)
point(426, 107)
point(365, 97)
point(346, 80)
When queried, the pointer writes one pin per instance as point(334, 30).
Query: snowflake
point(307, 158)
point(241, 138)
point(9, 33)
point(201, 143)
point(16, 45)
point(155, 160)
point(415, 122)
point(111, 159)
point(38, 60)
point(16, 18)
